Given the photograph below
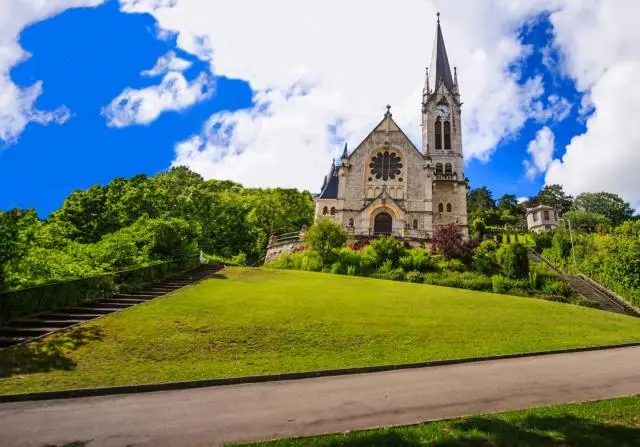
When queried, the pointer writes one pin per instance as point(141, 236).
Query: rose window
point(385, 165)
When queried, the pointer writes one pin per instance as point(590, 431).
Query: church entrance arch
point(382, 224)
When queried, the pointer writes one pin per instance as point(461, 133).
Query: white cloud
point(598, 40)
point(541, 150)
point(145, 105)
point(17, 104)
point(522, 199)
point(350, 67)
point(558, 109)
point(166, 63)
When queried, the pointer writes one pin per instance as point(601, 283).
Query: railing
point(52, 296)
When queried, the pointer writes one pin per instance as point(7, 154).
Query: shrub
point(533, 280)
point(452, 265)
point(324, 236)
point(422, 260)
point(337, 268)
point(513, 260)
point(406, 263)
point(386, 248)
point(500, 284)
point(484, 258)
point(351, 270)
point(415, 277)
point(558, 288)
point(451, 243)
point(359, 244)
point(311, 261)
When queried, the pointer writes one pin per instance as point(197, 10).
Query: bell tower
point(442, 137)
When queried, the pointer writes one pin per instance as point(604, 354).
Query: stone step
point(129, 301)
point(63, 316)
point(41, 323)
point(109, 304)
point(10, 331)
point(134, 295)
point(10, 341)
point(85, 310)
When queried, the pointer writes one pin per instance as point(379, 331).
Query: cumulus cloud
point(541, 150)
point(351, 68)
point(166, 63)
point(17, 104)
point(558, 109)
point(598, 42)
point(145, 105)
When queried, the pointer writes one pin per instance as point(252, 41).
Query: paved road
point(282, 409)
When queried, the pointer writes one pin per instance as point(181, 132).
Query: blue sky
point(88, 57)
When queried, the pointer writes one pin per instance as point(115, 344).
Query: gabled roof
point(539, 207)
point(439, 70)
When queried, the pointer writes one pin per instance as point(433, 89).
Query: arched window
point(351, 222)
point(440, 208)
point(325, 210)
point(448, 169)
point(438, 168)
point(448, 207)
point(438, 135)
point(415, 224)
point(447, 135)
point(333, 210)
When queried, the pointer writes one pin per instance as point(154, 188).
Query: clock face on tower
point(442, 110)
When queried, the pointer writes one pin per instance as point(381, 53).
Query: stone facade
point(389, 186)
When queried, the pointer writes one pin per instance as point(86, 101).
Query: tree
point(324, 236)
point(480, 204)
point(588, 222)
point(553, 196)
point(610, 205)
point(451, 243)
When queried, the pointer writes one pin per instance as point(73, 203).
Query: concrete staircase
point(590, 293)
point(590, 290)
point(27, 329)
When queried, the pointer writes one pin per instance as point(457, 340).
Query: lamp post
point(573, 250)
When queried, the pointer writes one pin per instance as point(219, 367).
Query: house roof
point(539, 208)
point(330, 184)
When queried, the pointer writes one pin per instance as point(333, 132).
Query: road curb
point(173, 386)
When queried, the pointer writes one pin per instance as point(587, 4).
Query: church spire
point(345, 153)
point(440, 71)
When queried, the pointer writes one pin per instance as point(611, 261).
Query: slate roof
point(330, 185)
point(440, 71)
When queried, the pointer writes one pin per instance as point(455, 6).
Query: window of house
point(448, 207)
point(438, 135)
point(415, 224)
point(438, 168)
point(333, 210)
point(448, 169)
point(535, 217)
point(325, 210)
point(447, 135)
point(546, 215)
point(440, 208)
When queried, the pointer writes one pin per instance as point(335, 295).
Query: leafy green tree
point(324, 236)
point(553, 196)
point(607, 204)
point(588, 222)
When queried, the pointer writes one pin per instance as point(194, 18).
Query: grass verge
point(606, 423)
point(261, 321)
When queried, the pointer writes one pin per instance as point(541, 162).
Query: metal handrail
point(610, 294)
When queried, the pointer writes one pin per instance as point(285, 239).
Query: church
point(389, 186)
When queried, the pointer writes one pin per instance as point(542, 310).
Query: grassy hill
point(260, 321)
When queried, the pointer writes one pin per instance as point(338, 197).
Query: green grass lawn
point(607, 423)
point(261, 321)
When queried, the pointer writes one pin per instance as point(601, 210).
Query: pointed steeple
point(440, 71)
point(324, 184)
point(345, 153)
